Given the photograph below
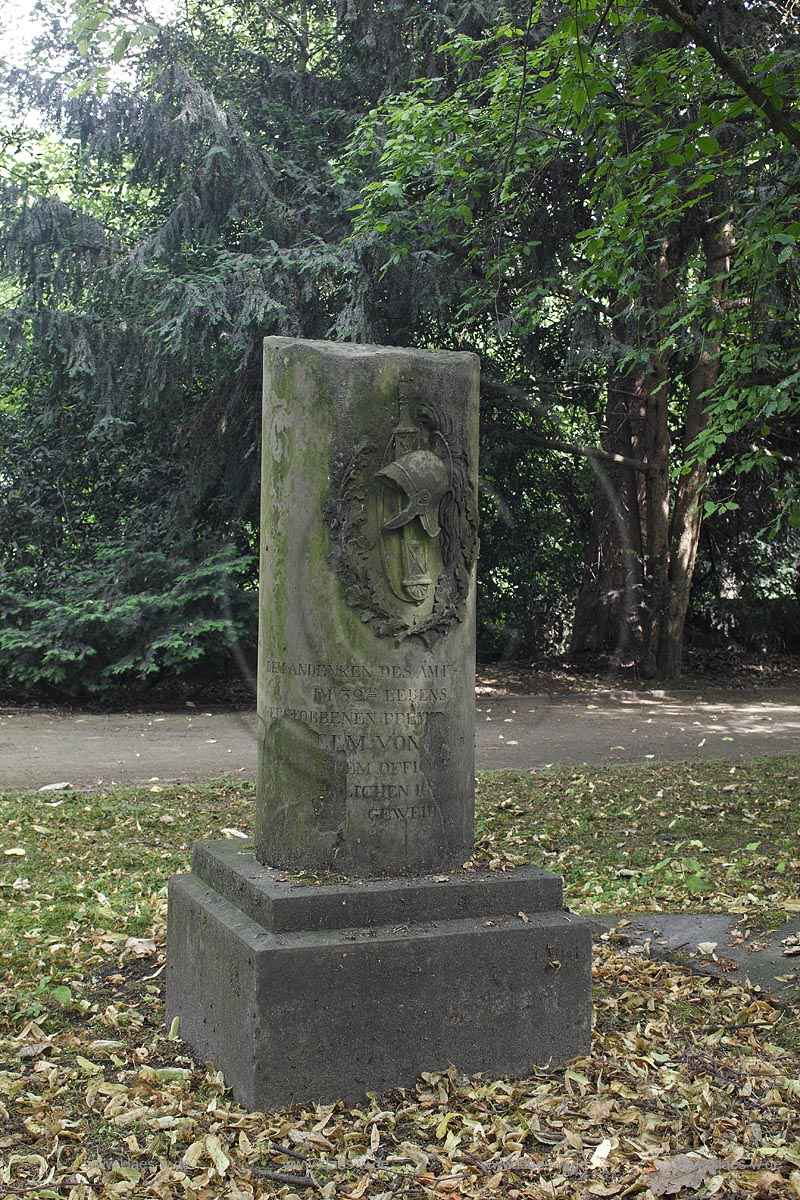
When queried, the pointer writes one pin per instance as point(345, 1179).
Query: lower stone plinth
point(300, 992)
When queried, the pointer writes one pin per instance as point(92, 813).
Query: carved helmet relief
point(423, 477)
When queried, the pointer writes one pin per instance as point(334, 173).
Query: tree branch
point(282, 1177)
point(523, 437)
point(302, 42)
point(776, 116)
point(523, 84)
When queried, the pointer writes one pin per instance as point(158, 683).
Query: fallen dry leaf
point(36, 1049)
point(141, 947)
point(601, 1153)
point(217, 1154)
point(672, 1175)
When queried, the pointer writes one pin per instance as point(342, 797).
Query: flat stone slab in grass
point(716, 944)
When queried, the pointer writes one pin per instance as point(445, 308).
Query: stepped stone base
point(300, 992)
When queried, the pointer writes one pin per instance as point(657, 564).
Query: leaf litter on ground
point(692, 1087)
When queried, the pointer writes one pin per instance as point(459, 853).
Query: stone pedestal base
point(300, 992)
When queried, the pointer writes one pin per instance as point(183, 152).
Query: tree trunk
point(687, 515)
point(638, 549)
point(608, 612)
point(655, 387)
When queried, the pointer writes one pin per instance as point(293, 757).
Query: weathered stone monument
point(346, 949)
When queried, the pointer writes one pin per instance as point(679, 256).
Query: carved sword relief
point(411, 488)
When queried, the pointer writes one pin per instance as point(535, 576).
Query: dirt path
point(538, 731)
point(42, 746)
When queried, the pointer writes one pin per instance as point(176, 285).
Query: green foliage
point(558, 165)
point(156, 225)
point(594, 181)
point(131, 612)
point(737, 557)
point(531, 553)
point(489, 175)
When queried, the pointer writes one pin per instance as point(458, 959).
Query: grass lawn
point(96, 1100)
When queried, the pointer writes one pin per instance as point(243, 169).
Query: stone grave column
point(350, 946)
point(367, 634)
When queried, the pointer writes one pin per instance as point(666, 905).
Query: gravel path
point(44, 746)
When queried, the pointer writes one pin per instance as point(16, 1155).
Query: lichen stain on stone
point(310, 784)
point(456, 820)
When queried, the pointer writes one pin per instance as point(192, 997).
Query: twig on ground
point(282, 1177)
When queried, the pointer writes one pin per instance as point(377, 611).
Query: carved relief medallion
point(404, 526)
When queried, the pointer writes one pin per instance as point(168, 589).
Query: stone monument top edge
point(364, 349)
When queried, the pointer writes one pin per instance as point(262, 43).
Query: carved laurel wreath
point(351, 556)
